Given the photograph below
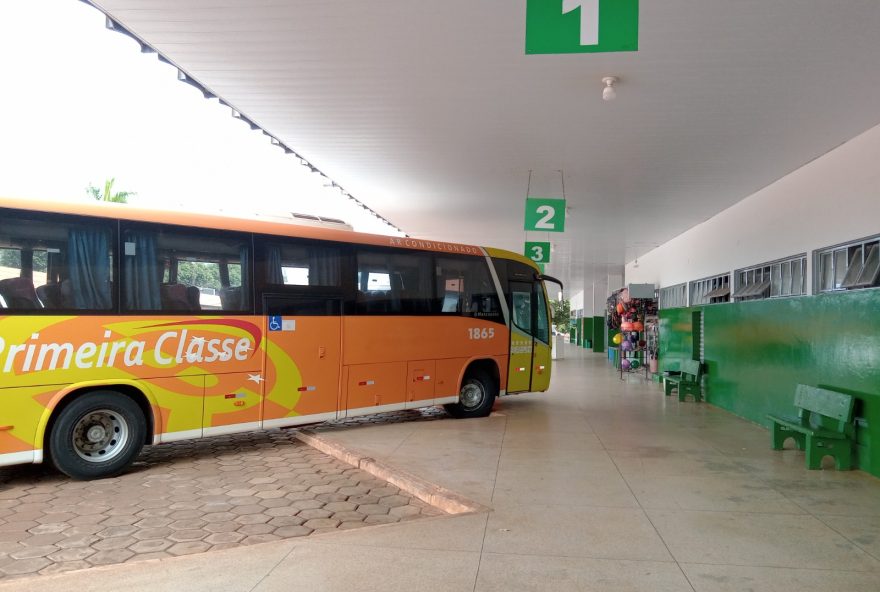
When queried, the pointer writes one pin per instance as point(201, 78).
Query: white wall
point(577, 301)
point(834, 199)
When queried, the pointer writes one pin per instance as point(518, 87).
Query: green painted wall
point(588, 331)
point(598, 334)
point(676, 342)
point(756, 352)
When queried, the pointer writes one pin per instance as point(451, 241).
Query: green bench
point(823, 427)
point(688, 382)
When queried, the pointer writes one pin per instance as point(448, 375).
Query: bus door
point(302, 357)
point(519, 376)
point(541, 355)
point(529, 368)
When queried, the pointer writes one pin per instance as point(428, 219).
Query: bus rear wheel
point(98, 435)
point(477, 395)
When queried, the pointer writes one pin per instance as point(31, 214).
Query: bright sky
point(80, 103)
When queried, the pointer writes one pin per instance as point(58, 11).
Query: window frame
point(774, 272)
point(675, 293)
point(860, 247)
point(699, 290)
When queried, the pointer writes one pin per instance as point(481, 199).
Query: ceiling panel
point(432, 114)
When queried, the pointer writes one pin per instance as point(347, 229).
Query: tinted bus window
point(177, 270)
point(465, 288)
point(542, 322)
point(50, 266)
point(303, 265)
point(522, 308)
point(393, 283)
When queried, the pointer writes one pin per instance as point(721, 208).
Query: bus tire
point(477, 396)
point(98, 435)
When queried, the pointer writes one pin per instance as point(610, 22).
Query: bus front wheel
point(477, 395)
point(98, 435)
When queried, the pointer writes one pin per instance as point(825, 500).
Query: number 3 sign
point(538, 252)
point(545, 215)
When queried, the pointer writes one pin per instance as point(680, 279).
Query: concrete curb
point(435, 495)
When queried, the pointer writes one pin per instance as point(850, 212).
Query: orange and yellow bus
point(121, 327)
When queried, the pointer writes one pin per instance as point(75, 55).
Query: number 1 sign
point(545, 215)
point(581, 26)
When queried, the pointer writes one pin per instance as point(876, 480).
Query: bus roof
point(223, 222)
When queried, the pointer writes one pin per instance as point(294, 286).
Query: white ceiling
point(432, 114)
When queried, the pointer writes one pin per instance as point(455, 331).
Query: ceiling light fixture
point(609, 93)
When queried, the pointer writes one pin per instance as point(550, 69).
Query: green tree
point(206, 274)
point(10, 258)
point(561, 315)
point(197, 273)
point(108, 194)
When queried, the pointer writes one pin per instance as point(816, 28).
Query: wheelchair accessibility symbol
point(275, 323)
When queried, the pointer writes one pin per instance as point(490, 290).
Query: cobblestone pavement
point(190, 497)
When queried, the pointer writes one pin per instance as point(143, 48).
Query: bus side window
point(303, 265)
point(393, 283)
point(465, 287)
point(185, 271)
point(56, 264)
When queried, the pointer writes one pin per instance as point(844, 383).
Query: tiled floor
point(189, 497)
point(597, 485)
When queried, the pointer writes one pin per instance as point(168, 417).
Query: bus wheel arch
point(479, 386)
point(98, 431)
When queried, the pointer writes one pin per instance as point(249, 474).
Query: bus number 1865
point(477, 333)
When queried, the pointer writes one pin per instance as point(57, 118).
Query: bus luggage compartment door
point(421, 378)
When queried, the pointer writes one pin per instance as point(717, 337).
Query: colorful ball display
point(634, 364)
point(617, 339)
point(625, 364)
point(638, 326)
point(626, 326)
point(626, 346)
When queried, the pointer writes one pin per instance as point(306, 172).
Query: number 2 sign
point(545, 215)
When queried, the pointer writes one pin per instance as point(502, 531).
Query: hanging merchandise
point(637, 346)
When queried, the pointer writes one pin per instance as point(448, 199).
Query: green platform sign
point(545, 215)
point(538, 252)
point(582, 26)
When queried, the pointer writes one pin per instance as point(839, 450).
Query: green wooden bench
point(688, 382)
point(823, 427)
